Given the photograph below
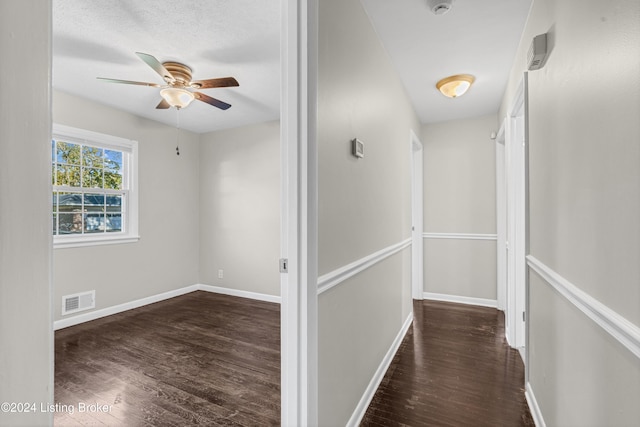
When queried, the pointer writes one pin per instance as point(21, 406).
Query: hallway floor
point(454, 368)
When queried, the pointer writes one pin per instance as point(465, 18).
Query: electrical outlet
point(220, 274)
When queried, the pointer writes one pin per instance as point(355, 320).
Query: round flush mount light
point(439, 7)
point(455, 86)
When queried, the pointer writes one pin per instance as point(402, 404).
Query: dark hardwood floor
point(212, 359)
point(201, 358)
point(454, 368)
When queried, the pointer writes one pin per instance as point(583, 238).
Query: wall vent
point(78, 302)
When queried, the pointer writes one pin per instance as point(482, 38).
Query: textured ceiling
point(216, 38)
point(241, 38)
point(478, 37)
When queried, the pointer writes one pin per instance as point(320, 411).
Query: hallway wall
point(584, 179)
point(364, 205)
point(26, 338)
point(460, 209)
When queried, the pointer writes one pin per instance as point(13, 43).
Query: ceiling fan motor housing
point(439, 7)
point(179, 71)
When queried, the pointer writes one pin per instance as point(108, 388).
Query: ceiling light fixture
point(177, 97)
point(455, 86)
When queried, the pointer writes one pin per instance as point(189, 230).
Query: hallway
point(454, 368)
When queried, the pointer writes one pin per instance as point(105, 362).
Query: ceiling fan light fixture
point(177, 97)
point(455, 86)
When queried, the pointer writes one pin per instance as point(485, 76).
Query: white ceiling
point(240, 38)
point(478, 37)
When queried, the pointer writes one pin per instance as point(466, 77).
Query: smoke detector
point(439, 7)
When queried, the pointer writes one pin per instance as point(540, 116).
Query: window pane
point(55, 219)
point(114, 203)
point(68, 153)
point(54, 203)
point(92, 178)
point(70, 223)
point(93, 202)
point(68, 175)
point(113, 160)
point(92, 156)
point(69, 202)
point(94, 223)
point(112, 180)
point(114, 222)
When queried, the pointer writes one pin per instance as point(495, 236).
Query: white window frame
point(129, 234)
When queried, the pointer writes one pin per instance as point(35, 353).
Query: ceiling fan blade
point(211, 101)
point(221, 82)
point(152, 62)
point(163, 105)
point(129, 82)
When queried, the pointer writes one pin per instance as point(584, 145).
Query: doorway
point(417, 257)
point(511, 172)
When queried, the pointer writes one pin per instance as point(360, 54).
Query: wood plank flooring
point(201, 358)
point(454, 368)
point(210, 359)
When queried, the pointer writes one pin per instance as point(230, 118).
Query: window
point(94, 179)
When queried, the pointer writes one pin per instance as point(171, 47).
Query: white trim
point(371, 389)
point(536, 413)
point(461, 300)
point(96, 240)
point(417, 215)
point(104, 312)
point(460, 236)
point(94, 139)
point(617, 326)
point(501, 219)
point(240, 293)
point(329, 280)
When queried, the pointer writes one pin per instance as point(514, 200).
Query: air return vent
point(78, 302)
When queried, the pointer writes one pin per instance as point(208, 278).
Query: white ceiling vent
point(78, 302)
point(439, 7)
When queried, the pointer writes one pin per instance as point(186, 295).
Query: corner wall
point(364, 206)
point(240, 208)
point(26, 338)
point(166, 256)
point(584, 205)
point(460, 210)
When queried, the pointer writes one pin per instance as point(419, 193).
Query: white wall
point(166, 256)
point(460, 198)
point(584, 206)
point(26, 345)
point(240, 208)
point(364, 204)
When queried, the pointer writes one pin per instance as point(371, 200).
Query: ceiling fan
point(176, 90)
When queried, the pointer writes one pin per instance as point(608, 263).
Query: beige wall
point(364, 204)
point(240, 208)
point(26, 346)
point(460, 197)
point(584, 178)
point(166, 256)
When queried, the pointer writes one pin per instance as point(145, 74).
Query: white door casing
point(417, 207)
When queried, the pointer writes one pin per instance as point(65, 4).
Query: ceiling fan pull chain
point(177, 131)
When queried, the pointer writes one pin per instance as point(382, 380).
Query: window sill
point(79, 242)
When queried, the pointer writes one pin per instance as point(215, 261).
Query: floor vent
point(78, 302)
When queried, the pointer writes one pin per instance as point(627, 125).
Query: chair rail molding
point(617, 326)
point(460, 236)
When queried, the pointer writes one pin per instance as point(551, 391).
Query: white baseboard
point(461, 300)
point(239, 293)
point(371, 389)
point(536, 413)
point(97, 314)
point(104, 312)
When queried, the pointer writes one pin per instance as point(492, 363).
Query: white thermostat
point(537, 52)
point(357, 148)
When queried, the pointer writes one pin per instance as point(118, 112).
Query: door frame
point(517, 219)
point(417, 216)
point(501, 221)
point(299, 213)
